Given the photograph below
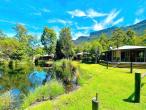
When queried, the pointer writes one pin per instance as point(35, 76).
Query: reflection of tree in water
point(15, 77)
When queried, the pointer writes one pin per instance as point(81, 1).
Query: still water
point(22, 78)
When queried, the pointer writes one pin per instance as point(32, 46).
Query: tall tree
point(21, 33)
point(49, 39)
point(104, 41)
point(130, 34)
point(25, 39)
point(118, 37)
point(65, 41)
point(58, 54)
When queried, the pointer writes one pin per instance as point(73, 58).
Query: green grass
point(113, 86)
point(51, 90)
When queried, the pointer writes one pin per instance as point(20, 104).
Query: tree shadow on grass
point(131, 98)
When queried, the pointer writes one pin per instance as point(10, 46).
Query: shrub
point(47, 91)
point(65, 70)
point(55, 88)
point(5, 101)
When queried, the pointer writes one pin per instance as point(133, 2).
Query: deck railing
point(127, 59)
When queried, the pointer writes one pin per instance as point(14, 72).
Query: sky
point(82, 16)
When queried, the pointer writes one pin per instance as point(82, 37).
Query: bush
point(65, 70)
point(5, 101)
point(47, 91)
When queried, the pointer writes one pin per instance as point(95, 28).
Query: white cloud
point(78, 13)
point(39, 12)
point(82, 27)
point(97, 27)
point(89, 13)
point(137, 21)
point(118, 21)
point(92, 13)
point(64, 22)
point(111, 16)
point(140, 11)
point(78, 34)
point(109, 20)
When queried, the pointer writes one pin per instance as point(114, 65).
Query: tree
point(65, 42)
point(118, 37)
point(49, 39)
point(8, 46)
point(26, 48)
point(130, 34)
point(58, 54)
point(104, 41)
point(21, 33)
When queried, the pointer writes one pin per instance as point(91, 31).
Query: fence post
point(137, 87)
point(107, 64)
point(131, 67)
point(95, 103)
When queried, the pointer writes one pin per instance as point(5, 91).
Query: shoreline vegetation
point(64, 72)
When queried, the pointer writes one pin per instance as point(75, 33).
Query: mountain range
point(139, 28)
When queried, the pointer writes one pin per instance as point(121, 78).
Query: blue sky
point(82, 16)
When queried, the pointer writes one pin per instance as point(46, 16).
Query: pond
point(19, 79)
point(22, 78)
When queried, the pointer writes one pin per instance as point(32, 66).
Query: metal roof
point(128, 47)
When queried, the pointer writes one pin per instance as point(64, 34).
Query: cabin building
point(125, 54)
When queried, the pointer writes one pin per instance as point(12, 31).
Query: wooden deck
point(125, 64)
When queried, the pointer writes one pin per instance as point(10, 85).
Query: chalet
point(125, 54)
point(80, 55)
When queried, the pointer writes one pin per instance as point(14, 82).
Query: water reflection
point(37, 77)
point(22, 78)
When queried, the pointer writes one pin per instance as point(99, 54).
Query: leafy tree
point(59, 54)
point(144, 38)
point(39, 51)
point(104, 41)
point(21, 33)
point(49, 39)
point(8, 46)
point(118, 37)
point(27, 42)
point(65, 42)
point(129, 39)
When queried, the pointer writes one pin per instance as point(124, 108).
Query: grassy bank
point(113, 86)
point(48, 91)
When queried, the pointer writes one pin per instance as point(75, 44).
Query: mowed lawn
point(113, 85)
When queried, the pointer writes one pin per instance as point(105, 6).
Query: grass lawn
point(113, 86)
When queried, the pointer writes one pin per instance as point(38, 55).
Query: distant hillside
point(138, 28)
point(108, 31)
point(81, 39)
